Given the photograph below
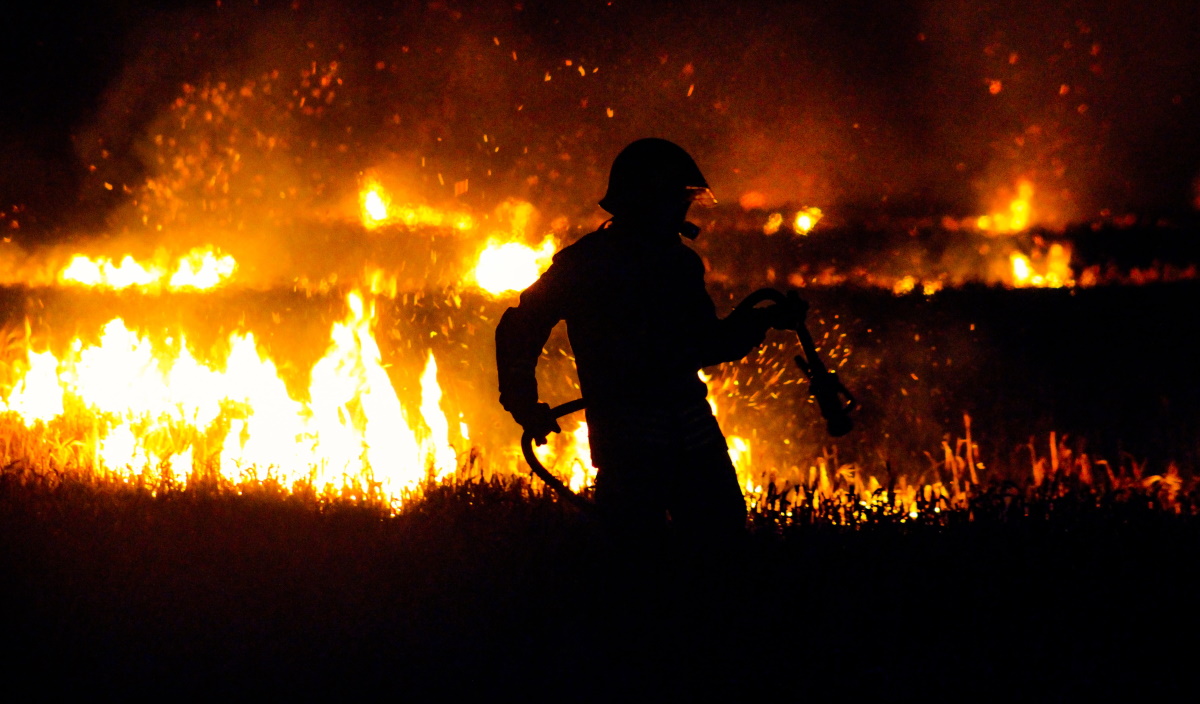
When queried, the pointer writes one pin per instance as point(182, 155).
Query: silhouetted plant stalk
point(1059, 481)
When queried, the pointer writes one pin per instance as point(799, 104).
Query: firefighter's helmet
point(650, 171)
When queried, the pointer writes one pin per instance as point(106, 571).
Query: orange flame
point(806, 219)
point(512, 266)
point(570, 457)
point(1053, 269)
point(374, 204)
point(146, 405)
point(377, 209)
point(200, 269)
point(1016, 218)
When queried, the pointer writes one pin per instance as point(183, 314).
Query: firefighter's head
point(654, 180)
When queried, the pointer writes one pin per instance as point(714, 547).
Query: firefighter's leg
point(705, 499)
point(630, 494)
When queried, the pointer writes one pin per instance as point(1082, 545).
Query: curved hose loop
point(835, 400)
point(544, 474)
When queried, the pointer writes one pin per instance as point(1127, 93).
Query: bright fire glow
point(1053, 270)
point(738, 447)
point(1022, 271)
point(806, 220)
point(512, 266)
point(377, 208)
point(200, 269)
point(374, 208)
point(444, 458)
point(569, 456)
point(147, 405)
point(1016, 218)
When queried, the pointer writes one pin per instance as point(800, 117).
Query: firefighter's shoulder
point(584, 250)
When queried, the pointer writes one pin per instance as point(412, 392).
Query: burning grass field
point(1032, 557)
point(309, 490)
point(1042, 551)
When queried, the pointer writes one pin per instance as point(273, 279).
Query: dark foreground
point(485, 589)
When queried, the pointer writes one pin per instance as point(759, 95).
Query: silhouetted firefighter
point(641, 325)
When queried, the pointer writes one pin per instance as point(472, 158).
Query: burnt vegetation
point(490, 586)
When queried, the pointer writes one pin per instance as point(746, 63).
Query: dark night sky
point(833, 103)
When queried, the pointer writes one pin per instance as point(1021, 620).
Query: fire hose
point(834, 399)
point(544, 474)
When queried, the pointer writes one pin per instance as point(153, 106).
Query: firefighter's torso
point(636, 317)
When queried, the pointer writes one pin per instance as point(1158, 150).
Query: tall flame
point(444, 458)
point(145, 405)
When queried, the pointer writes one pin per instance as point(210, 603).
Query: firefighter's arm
point(520, 337)
point(734, 336)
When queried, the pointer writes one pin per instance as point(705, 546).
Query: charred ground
point(489, 588)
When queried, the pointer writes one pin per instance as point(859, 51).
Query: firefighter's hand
point(539, 422)
point(783, 316)
point(797, 305)
point(778, 316)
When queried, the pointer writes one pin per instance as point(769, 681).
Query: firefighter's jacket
point(641, 325)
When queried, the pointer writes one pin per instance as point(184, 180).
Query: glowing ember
point(512, 266)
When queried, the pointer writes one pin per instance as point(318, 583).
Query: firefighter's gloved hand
point(797, 306)
point(777, 316)
point(538, 421)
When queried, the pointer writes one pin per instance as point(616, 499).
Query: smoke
point(921, 107)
